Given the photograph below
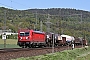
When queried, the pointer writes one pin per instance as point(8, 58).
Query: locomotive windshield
point(24, 33)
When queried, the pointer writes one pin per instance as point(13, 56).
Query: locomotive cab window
point(21, 33)
point(24, 33)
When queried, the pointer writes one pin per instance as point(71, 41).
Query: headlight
point(26, 37)
point(20, 38)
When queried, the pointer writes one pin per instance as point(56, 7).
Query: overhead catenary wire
point(11, 6)
point(6, 5)
point(19, 3)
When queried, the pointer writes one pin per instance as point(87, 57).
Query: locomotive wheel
point(29, 45)
point(23, 46)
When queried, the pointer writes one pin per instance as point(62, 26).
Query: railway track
point(13, 53)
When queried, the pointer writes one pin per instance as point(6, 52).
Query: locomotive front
point(24, 38)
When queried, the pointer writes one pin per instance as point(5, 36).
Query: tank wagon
point(65, 39)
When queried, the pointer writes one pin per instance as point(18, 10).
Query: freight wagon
point(80, 41)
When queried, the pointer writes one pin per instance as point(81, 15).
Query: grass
point(9, 46)
point(87, 57)
point(10, 43)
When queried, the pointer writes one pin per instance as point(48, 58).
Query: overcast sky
point(28, 4)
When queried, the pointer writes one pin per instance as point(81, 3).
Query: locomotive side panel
point(38, 37)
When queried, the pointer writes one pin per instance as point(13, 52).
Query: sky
point(41, 4)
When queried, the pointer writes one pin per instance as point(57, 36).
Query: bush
point(0, 36)
point(11, 36)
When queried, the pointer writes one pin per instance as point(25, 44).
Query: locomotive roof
point(24, 30)
point(38, 32)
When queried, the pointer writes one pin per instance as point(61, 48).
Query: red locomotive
point(31, 38)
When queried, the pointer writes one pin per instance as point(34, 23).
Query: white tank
point(68, 38)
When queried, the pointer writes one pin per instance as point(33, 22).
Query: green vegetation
point(64, 55)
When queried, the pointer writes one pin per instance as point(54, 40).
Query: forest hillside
point(58, 20)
